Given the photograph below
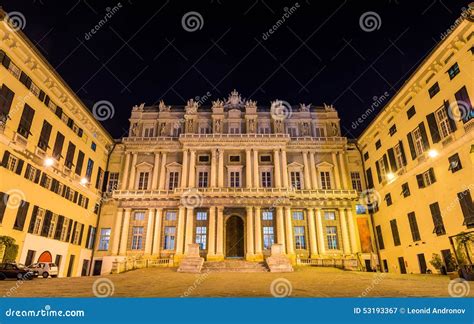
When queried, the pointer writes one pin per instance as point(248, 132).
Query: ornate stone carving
point(304, 107)
point(234, 100)
point(192, 107)
point(163, 107)
point(138, 107)
point(329, 107)
point(134, 129)
point(335, 129)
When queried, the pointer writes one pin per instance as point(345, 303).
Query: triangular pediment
point(144, 164)
point(295, 165)
point(324, 165)
point(173, 164)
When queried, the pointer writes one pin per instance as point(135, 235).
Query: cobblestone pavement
point(305, 282)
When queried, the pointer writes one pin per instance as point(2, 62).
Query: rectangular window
point(411, 112)
point(234, 158)
point(426, 178)
point(464, 104)
point(26, 120)
point(418, 141)
point(467, 207)
point(90, 168)
point(203, 158)
point(378, 144)
point(453, 71)
point(201, 236)
point(267, 215)
point(203, 179)
point(399, 154)
point(265, 158)
point(329, 215)
point(298, 215)
point(43, 142)
point(325, 180)
point(170, 215)
point(454, 163)
point(201, 215)
point(12, 162)
point(378, 230)
point(443, 122)
point(79, 163)
point(70, 155)
point(356, 181)
point(31, 173)
point(266, 177)
point(173, 180)
point(170, 237)
point(405, 190)
point(143, 180)
point(148, 132)
point(319, 132)
point(113, 181)
point(300, 241)
point(104, 239)
point(433, 90)
point(415, 233)
point(137, 237)
point(295, 177)
point(437, 219)
point(395, 234)
point(392, 130)
point(331, 234)
point(366, 156)
point(235, 179)
point(268, 237)
point(293, 131)
point(139, 216)
point(388, 199)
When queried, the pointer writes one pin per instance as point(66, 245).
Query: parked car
point(16, 270)
point(45, 269)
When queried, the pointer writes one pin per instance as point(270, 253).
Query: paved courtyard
point(304, 282)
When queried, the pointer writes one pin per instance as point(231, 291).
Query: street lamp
point(49, 161)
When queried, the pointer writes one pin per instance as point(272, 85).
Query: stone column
point(180, 234)
point(307, 179)
point(258, 231)
point(220, 177)
point(345, 237)
point(220, 232)
point(131, 184)
point(336, 172)
point(214, 168)
point(342, 162)
point(290, 249)
point(284, 169)
point(184, 170)
point(162, 172)
point(313, 244)
point(157, 231)
point(352, 231)
point(189, 228)
point(124, 236)
point(126, 167)
point(314, 178)
point(149, 231)
point(277, 168)
point(250, 229)
point(156, 171)
point(319, 227)
point(280, 227)
point(192, 170)
point(256, 176)
point(248, 168)
point(117, 231)
point(211, 248)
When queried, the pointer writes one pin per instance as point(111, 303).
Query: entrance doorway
point(422, 262)
point(234, 243)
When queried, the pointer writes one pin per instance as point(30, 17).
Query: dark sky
point(320, 54)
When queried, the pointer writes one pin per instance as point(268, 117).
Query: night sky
point(320, 54)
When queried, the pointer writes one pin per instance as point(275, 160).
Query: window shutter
point(402, 150)
point(5, 60)
point(6, 99)
point(80, 234)
point(79, 163)
point(33, 219)
point(23, 78)
point(21, 215)
point(452, 122)
point(433, 126)
point(391, 158)
point(58, 146)
point(69, 230)
point(41, 95)
point(432, 175)
point(467, 207)
point(6, 156)
point(379, 176)
point(59, 111)
point(37, 176)
point(424, 137)
point(73, 231)
point(462, 96)
point(59, 228)
point(370, 179)
point(106, 180)
point(412, 146)
point(88, 236)
point(385, 162)
point(46, 223)
point(19, 167)
point(419, 179)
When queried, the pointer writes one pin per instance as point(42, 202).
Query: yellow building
point(418, 158)
point(53, 157)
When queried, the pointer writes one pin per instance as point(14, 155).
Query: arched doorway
point(45, 257)
point(234, 237)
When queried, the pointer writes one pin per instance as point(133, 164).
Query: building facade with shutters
point(53, 158)
point(418, 156)
point(234, 178)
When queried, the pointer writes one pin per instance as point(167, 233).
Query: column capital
point(220, 209)
point(248, 208)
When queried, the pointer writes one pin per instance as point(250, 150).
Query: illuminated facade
point(53, 158)
point(418, 155)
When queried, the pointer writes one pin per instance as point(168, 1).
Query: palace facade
point(234, 178)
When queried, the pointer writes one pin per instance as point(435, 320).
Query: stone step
point(234, 266)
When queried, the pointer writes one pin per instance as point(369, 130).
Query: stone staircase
point(234, 266)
